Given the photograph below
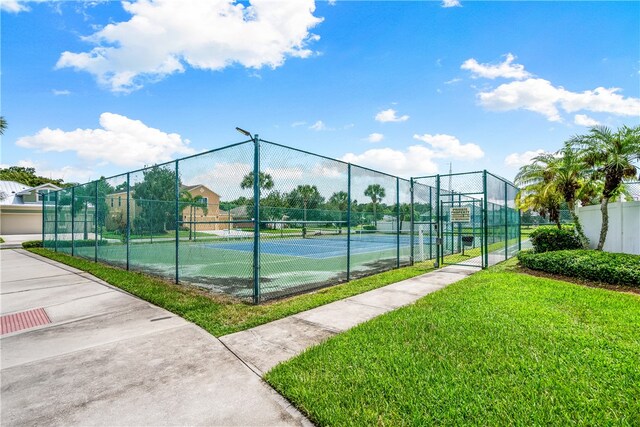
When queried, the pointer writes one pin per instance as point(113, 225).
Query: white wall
point(624, 226)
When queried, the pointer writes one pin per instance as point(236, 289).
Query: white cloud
point(448, 146)
point(296, 124)
point(318, 126)
point(164, 36)
point(375, 137)
point(13, 6)
point(451, 3)
point(390, 115)
point(66, 173)
point(416, 160)
point(506, 69)
point(584, 120)
point(516, 160)
point(61, 92)
point(453, 81)
point(540, 96)
point(120, 141)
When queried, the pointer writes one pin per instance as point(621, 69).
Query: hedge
point(614, 268)
point(64, 243)
point(550, 238)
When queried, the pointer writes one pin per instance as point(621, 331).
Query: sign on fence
point(460, 214)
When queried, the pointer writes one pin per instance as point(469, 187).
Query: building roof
point(11, 192)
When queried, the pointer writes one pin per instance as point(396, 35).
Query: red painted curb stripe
point(23, 320)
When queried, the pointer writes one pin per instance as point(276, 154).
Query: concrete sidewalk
point(108, 358)
point(263, 347)
point(14, 241)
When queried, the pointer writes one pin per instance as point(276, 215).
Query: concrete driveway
point(108, 358)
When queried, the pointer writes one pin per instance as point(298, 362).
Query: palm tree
point(340, 200)
point(265, 181)
point(563, 172)
point(3, 125)
point(377, 193)
point(614, 157)
point(193, 203)
point(307, 192)
point(536, 192)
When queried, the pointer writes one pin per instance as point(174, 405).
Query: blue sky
point(98, 88)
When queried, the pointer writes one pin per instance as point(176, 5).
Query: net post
point(485, 220)
point(397, 222)
point(430, 223)
point(412, 224)
point(128, 229)
point(176, 222)
point(95, 224)
point(506, 224)
point(349, 222)
point(256, 220)
point(55, 218)
point(73, 220)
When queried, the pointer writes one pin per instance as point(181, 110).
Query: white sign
point(460, 214)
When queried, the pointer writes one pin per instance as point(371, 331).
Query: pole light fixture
point(244, 132)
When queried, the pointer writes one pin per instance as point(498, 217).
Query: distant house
point(21, 207)
point(117, 206)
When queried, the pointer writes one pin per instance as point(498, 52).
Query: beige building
point(117, 205)
point(21, 207)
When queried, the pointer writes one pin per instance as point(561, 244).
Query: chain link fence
point(258, 220)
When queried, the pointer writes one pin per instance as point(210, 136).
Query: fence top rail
point(332, 159)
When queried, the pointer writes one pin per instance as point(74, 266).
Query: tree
point(27, 176)
point(156, 197)
point(538, 197)
point(340, 201)
point(3, 125)
point(265, 181)
point(376, 192)
point(193, 203)
point(563, 173)
point(613, 157)
point(307, 195)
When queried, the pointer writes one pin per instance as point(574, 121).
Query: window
point(119, 201)
point(40, 194)
point(111, 201)
point(204, 201)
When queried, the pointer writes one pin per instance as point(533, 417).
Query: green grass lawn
point(498, 348)
point(221, 315)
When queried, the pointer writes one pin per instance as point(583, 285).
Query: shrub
point(614, 268)
point(545, 239)
point(65, 243)
point(369, 227)
point(32, 244)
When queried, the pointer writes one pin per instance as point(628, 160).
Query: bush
point(614, 268)
point(66, 243)
point(32, 244)
point(369, 227)
point(549, 238)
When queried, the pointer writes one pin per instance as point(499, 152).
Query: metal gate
point(460, 231)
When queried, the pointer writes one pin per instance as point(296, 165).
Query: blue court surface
point(319, 248)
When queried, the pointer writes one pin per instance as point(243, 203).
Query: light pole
point(256, 214)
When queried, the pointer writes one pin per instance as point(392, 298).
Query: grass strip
point(498, 348)
point(220, 315)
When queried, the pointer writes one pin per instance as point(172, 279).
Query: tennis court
point(316, 221)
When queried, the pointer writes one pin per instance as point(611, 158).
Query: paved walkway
point(14, 241)
point(108, 358)
point(263, 347)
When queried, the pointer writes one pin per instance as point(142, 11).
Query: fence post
point(519, 230)
point(430, 224)
point(95, 225)
point(438, 224)
point(73, 220)
point(397, 222)
point(412, 225)
point(177, 222)
point(256, 220)
point(44, 197)
point(485, 220)
point(128, 229)
point(506, 224)
point(348, 222)
point(55, 218)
